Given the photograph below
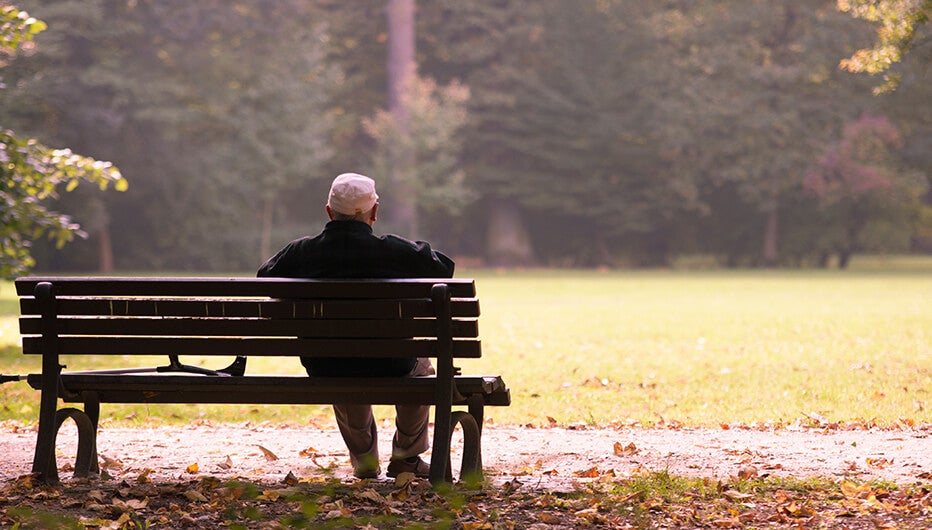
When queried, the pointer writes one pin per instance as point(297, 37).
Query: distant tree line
point(585, 133)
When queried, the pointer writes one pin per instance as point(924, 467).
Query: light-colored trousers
point(358, 427)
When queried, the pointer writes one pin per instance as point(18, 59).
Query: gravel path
point(547, 458)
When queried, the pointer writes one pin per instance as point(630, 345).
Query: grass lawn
point(700, 347)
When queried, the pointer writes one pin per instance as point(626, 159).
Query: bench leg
point(92, 409)
point(472, 449)
point(43, 462)
point(440, 452)
point(86, 458)
point(471, 467)
point(477, 411)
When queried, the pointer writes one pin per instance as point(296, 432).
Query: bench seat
point(271, 389)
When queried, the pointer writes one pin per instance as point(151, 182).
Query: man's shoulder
point(395, 239)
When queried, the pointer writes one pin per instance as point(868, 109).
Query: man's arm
point(436, 263)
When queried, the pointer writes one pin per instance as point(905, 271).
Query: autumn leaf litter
point(167, 470)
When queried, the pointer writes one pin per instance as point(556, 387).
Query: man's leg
point(411, 436)
point(357, 425)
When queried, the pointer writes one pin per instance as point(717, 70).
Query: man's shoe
point(420, 468)
point(367, 472)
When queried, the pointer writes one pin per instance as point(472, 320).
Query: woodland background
point(582, 133)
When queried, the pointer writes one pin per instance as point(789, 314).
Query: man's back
point(348, 249)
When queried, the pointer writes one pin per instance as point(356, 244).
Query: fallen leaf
point(737, 495)
point(879, 463)
point(195, 496)
point(587, 512)
point(290, 479)
point(403, 479)
point(475, 511)
point(477, 526)
point(371, 495)
point(625, 450)
point(97, 495)
point(818, 418)
point(336, 514)
point(592, 472)
point(511, 485)
point(226, 464)
point(110, 463)
point(854, 491)
point(192, 468)
point(130, 505)
point(269, 455)
point(121, 521)
point(794, 509)
point(747, 472)
point(727, 523)
point(310, 451)
point(270, 495)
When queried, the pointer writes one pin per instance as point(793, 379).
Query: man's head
point(352, 197)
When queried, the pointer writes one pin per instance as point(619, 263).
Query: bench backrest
point(246, 316)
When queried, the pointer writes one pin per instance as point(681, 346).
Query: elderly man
point(347, 248)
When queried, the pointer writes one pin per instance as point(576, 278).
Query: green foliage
point(899, 21)
point(214, 109)
point(437, 116)
point(866, 202)
point(32, 173)
point(612, 132)
point(17, 28)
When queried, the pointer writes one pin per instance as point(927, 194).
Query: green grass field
point(698, 347)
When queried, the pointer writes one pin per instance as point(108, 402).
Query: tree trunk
point(401, 69)
point(99, 226)
point(844, 258)
point(770, 238)
point(265, 239)
point(105, 249)
point(508, 242)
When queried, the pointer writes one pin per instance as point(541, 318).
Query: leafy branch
point(32, 173)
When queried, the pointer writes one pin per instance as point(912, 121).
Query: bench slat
point(252, 346)
point(244, 327)
point(273, 389)
point(268, 287)
point(420, 307)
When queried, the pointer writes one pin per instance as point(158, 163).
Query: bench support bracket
point(86, 458)
point(471, 468)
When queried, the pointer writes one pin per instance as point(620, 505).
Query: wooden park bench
point(66, 318)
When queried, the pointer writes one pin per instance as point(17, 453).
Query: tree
point(219, 111)
point(859, 186)
point(753, 110)
point(899, 21)
point(559, 128)
point(31, 174)
point(434, 185)
point(477, 43)
point(401, 68)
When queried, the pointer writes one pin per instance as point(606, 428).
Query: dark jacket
point(349, 250)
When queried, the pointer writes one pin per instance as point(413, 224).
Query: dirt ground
point(552, 459)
